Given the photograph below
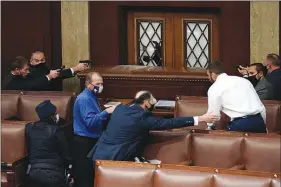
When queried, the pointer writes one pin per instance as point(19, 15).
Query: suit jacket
point(274, 78)
point(129, 126)
point(42, 69)
point(17, 82)
point(264, 90)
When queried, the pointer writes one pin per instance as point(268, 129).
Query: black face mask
point(39, 69)
point(37, 65)
point(151, 108)
point(253, 80)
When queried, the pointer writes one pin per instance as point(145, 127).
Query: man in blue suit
point(129, 125)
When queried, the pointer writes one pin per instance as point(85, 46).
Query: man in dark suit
point(256, 73)
point(38, 68)
point(273, 63)
point(129, 125)
point(19, 77)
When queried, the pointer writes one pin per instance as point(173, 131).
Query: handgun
point(237, 66)
point(86, 61)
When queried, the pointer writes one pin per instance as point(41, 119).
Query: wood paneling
point(30, 26)
point(106, 47)
point(123, 82)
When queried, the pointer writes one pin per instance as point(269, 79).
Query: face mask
point(98, 89)
point(253, 79)
point(57, 118)
point(152, 103)
point(37, 65)
point(151, 108)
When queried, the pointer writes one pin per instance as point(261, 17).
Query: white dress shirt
point(235, 96)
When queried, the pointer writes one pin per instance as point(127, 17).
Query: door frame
point(123, 25)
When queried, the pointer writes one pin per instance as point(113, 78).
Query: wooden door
point(184, 40)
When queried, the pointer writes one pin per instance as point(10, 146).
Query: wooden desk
point(124, 81)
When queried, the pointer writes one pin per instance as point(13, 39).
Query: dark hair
point(274, 59)
point(146, 95)
point(215, 67)
point(260, 68)
point(18, 62)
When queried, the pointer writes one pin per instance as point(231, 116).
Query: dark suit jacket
point(274, 78)
point(264, 90)
point(42, 69)
point(17, 82)
point(126, 131)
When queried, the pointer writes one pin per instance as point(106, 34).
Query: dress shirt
point(88, 117)
point(235, 96)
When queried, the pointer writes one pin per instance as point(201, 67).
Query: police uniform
point(47, 149)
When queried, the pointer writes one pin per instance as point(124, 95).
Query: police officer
point(47, 148)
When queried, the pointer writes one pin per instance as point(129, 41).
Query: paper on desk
point(154, 161)
point(165, 103)
point(112, 103)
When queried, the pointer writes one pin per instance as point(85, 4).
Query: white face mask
point(100, 89)
point(57, 118)
point(97, 89)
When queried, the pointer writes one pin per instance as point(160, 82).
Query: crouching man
point(47, 148)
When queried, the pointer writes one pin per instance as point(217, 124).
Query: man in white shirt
point(237, 98)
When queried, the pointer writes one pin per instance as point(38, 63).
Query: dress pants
point(82, 166)
point(252, 123)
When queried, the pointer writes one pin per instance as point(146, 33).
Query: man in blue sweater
point(88, 123)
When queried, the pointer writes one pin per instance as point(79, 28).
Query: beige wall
point(264, 29)
point(75, 38)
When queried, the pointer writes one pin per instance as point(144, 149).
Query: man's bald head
point(143, 96)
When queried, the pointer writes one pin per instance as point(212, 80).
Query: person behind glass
point(236, 97)
point(128, 127)
point(19, 77)
point(272, 64)
point(256, 73)
point(38, 68)
point(47, 148)
point(88, 124)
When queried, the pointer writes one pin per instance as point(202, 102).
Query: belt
point(245, 117)
point(84, 138)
